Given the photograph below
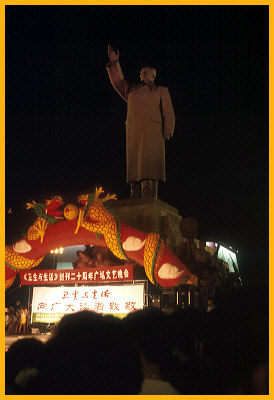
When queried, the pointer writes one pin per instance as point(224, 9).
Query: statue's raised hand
point(114, 57)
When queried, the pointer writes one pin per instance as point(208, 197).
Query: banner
point(51, 304)
point(72, 276)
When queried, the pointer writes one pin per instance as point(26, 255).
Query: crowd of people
point(16, 320)
point(224, 351)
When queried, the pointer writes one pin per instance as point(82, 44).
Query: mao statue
point(150, 121)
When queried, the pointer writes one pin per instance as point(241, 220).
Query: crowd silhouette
point(224, 351)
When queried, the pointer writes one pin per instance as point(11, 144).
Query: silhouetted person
point(92, 354)
point(236, 343)
point(23, 367)
point(187, 336)
point(149, 328)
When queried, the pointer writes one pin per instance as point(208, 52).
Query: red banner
point(118, 273)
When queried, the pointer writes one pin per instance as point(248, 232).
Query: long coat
point(149, 115)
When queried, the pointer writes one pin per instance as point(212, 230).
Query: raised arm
point(116, 75)
point(113, 57)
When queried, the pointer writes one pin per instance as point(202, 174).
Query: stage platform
point(9, 339)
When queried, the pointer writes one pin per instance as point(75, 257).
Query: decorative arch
point(93, 224)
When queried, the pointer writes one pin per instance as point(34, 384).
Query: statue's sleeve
point(167, 112)
point(117, 79)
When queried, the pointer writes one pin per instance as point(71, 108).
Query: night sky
point(65, 124)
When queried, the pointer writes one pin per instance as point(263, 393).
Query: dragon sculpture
point(94, 224)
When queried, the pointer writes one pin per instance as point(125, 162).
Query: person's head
point(147, 74)
point(150, 331)
point(93, 354)
point(23, 360)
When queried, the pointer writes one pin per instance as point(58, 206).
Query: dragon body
point(97, 225)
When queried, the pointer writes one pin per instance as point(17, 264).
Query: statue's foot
point(135, 190)
point(149, 189)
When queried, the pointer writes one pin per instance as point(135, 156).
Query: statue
point(150, 121)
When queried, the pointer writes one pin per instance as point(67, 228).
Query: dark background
point(65, 124)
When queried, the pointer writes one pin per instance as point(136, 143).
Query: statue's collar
point(151, 84)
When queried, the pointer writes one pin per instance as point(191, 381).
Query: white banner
point(50, 304)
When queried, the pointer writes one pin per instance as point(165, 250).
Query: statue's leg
point(155, 189)
point(149, 188)
point(135, 190)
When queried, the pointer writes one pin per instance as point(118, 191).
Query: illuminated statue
point(150, 121)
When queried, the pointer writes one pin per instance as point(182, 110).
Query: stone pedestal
point(151, 215)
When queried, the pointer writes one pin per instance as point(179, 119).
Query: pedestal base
point(151, 215)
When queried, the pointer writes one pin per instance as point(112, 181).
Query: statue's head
point(147, 74)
